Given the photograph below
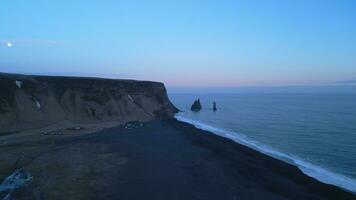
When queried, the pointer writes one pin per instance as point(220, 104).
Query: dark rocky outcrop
point(36, 101)
point(214, 106)
point(196, 106)
point(133, 125)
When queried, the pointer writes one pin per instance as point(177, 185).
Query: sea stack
point(214, 106)
point(196, 106)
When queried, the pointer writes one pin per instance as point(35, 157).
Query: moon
point(9, 44)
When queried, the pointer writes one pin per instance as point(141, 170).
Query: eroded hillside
point(35, 101)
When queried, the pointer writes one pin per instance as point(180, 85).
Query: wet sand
point(161, 160)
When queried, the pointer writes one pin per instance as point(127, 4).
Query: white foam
point(317, 172)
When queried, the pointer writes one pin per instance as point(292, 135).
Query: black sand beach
point(161, 160)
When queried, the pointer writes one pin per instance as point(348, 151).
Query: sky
point(207, 43)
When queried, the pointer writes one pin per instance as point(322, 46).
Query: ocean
point(315, 132)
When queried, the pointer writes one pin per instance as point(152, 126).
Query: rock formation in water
point(36, 101)
point(214, 106)
point(196, 106)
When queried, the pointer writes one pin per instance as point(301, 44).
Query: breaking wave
point(317, 172)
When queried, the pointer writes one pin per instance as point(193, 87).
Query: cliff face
point(35, 101)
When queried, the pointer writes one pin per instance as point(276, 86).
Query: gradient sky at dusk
point(183, 43)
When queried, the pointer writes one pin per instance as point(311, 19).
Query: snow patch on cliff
point(130, 98)
point(15, 180)
point(37, 104)
point(18, 83)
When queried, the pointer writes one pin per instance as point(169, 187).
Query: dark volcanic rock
point(196, 105)
point(164, 159)
point(36, 101)
point(133, 125)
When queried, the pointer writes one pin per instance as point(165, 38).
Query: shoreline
point(299, 174)
point(319, 173)
point(162, 160)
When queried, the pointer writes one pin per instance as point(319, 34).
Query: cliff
point(35, 101)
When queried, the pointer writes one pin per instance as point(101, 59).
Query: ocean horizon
point(175, 100)
point(313, 131)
